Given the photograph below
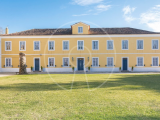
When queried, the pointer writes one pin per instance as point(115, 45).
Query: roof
point(92, 31)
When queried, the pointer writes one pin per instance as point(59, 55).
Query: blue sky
point(20, 15)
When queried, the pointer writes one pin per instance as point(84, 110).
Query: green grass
point(122, 96)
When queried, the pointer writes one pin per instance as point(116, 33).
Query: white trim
point(39, 63)
point(78, 30)
point(83, 63)
point(77, 45)
point(137, 45)
point(48, 45)
point(11, 46)
point(122, 45)
point(137, 62)
point(68, 45)
point(20, 46)
point(92, 44)
point(152, 44)
point(152, 61)
point(92, 61)
point(113, 44)
point(34, 46)
point(63, 61)
point(127, 63)
point(11, 63)
point(48, 62)
point(107, 61)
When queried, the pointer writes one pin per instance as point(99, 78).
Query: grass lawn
point(122, 96)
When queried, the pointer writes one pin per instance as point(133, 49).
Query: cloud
point(86, 2)
point(152, 18)
point(80, 15)
point(103, 7)
point(127, 10)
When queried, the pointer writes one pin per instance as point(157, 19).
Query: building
point(101, 49)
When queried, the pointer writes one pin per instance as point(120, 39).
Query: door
point(37, 64)
point(80, 64)
point(125, 64)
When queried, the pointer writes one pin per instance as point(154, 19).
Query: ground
point(80, 96)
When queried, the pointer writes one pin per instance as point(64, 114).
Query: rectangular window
point(155, 61)
point(140, 44)
point(51, 62)
point(65, 62)
point(155, 44)
point(36, 45)
point(8, 45)
point(22, 45)
point(80, 29)
point(125, 44)
point(51, 45)
point(65, 45)
point(80, 45)
point(140, 61)
point(110, 62)
point(109, 44)
point(95, 62)
point(95, 45)
point(8, 62)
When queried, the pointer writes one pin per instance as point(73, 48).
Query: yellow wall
point(75, 28)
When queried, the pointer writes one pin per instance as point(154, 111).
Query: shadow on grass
point(123, 82)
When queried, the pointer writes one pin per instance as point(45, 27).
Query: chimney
point(7, 30)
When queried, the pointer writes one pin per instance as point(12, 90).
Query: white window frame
point(77, 44)
point(143, 62)
point(137, 44)
point(20, 46)
point(39, 45)
point(158, 61)
point(107, 62)
point(63, 61)
point(152, 44)
point(78, 29)
point(113, 44)
point(48, 45)
point(92, 61)
point(48, 61)
point(11, 46)
point(92, 44)
point(63, 46)
point(11, 63)
point(122, 45)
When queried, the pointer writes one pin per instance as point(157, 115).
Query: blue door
point(80, 64)
point(125, 64)
point(36, 64)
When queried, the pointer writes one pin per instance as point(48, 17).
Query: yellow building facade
point(103, 50)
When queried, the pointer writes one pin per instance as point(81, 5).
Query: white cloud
point(152, 18)
point(86, 2)
point(80, 15)
point(103, 7)
point(128, 13)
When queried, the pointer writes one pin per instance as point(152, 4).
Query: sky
point(21, 15)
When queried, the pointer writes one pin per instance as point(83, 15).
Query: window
point(155, 44)
point(140, 61)
point(155, 61)
point(65, 62)
point(51, 45)
point(109, 44)
point(80, 29)
point(51, 62)
point(8, 62)
point(95, 62)
point(110, 62)
point(125, 44)
point(140, 44)
point(36, 45)
point(22, 45)
point(94, 45)
point(65, 45)
point(80, 45)
point(8, 46)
